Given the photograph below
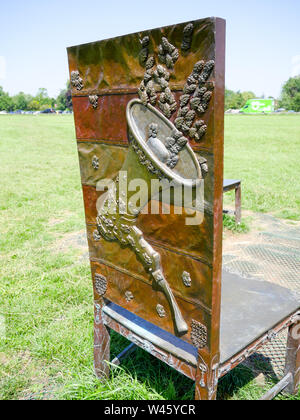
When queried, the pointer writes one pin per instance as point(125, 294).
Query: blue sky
point(263, 48)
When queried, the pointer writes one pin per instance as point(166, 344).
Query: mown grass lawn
point(264, 151)
point(46, 304)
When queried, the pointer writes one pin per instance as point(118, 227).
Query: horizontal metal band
point(145, 334)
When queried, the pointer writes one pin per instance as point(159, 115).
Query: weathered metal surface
point(178, 74)
point(148, 159)
point(153, 340)
point(168, 228)
point(111, 252)
point(124, 353)
point(92, 123)
point(120, 282)
point(101, 341)
point(280, 386)
point(255, 303)
point(110, 162)
point(180, 69)
point(292, 365)
point(114, 64)
point(105, 123)
point(255, 345)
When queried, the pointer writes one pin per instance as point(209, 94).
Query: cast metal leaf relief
point(76, 80)
point(194, 101)
point(95, 162)
point(168, 152)
point(167, 53)
point(128, 296)
point(186, 278)
point(196, 95)
point(198, 334)
point(147, 90)
point(141, 342)
point(93, 100)
point(187, 37)
point(209, 375)
point(122, 228)
point(100, 284)
point(166, 101)
point(144, 53)
point(96, 236)
point(161, 311)
point(203, 369)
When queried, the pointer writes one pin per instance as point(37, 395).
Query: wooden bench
point(234, 184)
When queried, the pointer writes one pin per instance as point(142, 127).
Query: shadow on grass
point(157, 376)
point(172, 385)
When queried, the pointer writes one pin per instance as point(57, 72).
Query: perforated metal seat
point(249, 309)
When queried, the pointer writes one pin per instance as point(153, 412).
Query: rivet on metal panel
point(129, 296)
point(93, 100)
point(96, 235)
point(186, 278)
point(161, 311)
point(95, 162)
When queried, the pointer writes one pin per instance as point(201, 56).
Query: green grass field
point(46, 304)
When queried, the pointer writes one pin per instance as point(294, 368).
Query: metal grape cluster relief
point(117, 216)
point(196, 95)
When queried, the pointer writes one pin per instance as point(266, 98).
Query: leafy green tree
point(64, 99)
point(33, 105)
point(236, 100)
point(248, 95)
point(21, 101)
point(229, 94)
point(6, 103)
point(43, 99)
point(290, 94)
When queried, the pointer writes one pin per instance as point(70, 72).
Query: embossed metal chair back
point(149, 106)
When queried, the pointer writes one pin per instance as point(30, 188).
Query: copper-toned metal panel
point(90, 196)
point(114, 64)
point(98, 162)
point(189, 278)
point(170, 231)
point(107, 122)
point(157, 266)
point(164, 229)
point(95, 123)
point(129, 292)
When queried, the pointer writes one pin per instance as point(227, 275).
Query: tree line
point(289, 99)
point(39, 102)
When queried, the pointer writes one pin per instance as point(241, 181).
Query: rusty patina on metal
point(107, 76)
point(152, 103)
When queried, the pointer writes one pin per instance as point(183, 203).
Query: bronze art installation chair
point(149, 108)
